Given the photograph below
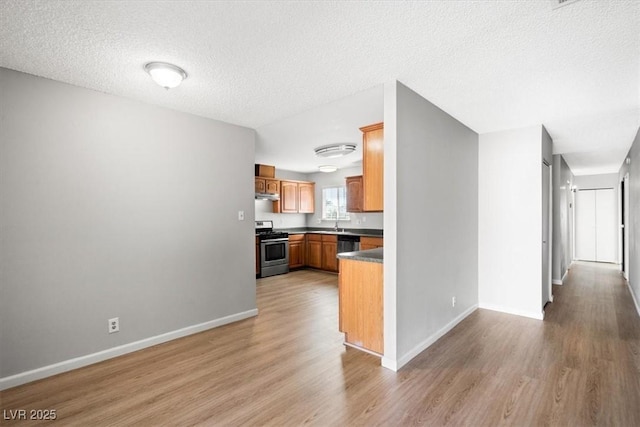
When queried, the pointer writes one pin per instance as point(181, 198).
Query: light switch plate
point(240, 215)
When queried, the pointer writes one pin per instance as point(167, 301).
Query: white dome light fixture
point(335, 150)
point(166, 75)
point(327, 168)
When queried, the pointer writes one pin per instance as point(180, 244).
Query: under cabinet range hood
point(267, 196)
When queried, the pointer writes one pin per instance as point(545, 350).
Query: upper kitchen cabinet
point(295, 197)
point(354, 193)
point(307, 196)
point(373, 167)
point(267, 185)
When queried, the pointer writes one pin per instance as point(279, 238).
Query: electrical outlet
point(364, 219)
point(453, 302)
point(114, 325)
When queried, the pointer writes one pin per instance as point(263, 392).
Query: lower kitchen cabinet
point(329, 252)
point(296, 250)
point(370, 243)
point(314, 250)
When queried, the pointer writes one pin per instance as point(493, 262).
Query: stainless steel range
point(274, 249)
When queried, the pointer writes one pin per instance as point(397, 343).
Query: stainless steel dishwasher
point(348, 243)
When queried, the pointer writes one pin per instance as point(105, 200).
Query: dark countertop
point(347, 231)
point(370, 255)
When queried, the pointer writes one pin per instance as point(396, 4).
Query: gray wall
point(562, 217)
point(437, 219)
point(110, 207)
point(633, 169)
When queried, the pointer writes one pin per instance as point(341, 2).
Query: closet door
point(606, 239)
point(586, 225)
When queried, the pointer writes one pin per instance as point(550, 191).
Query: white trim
point(633, 296)
point(502, 309)
point(389, 364)
point(89, 359)
point(564, 276)
point(428, 342)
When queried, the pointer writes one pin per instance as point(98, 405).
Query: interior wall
point(633, 169)
point(114, 208)
point(436, 227)
point(510, 223)
point(563, 180)
point(364, 220)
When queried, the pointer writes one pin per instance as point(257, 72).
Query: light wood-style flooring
point(579, 367)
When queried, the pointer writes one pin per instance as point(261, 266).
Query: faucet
point(335, 227)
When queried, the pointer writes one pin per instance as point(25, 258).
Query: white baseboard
point(89, 359)
point(397, 364)
point(635, 300)
point(508, 310)
point(561, 281)
point(389, 363)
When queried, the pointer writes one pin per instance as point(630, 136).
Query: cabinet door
point(272, 186)
point(296, 250)
point(329, 252)
point(307, 195)
point(354, 193)
point(260, 185)
point(314, 253)
point(373, 168)
point(288, 197)
point(370, 243)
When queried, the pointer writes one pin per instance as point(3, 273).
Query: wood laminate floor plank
point(287, 366)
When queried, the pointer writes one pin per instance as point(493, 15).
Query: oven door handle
point(284, 239)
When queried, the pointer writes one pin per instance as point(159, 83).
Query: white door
point(585, 225)
point(606, 225)
point(596, 228)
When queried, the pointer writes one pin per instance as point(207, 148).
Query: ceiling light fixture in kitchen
point(335, 150)
point(166, 75)
point(327, 168)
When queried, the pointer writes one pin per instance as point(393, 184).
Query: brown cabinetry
point(329, 252)
point(361, 304)
point(314, 250)
point(267, 185)
point(295, 197)
point(288, 197)
point(322, 250)
point(370, 243)
point(373, 167)
point(307, 197)
point(297, 250)
point(354, 193)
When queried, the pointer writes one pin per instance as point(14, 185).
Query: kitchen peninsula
point(361, 299)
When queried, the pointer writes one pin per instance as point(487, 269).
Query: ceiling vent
point(555, 4)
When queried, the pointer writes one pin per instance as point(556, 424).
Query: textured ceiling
point(493, 65)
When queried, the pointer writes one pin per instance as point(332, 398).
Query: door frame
point(624, 216)
point(548, 280)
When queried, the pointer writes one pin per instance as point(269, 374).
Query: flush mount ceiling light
point(327, 168)
point(166, 75)
point(335, 150)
